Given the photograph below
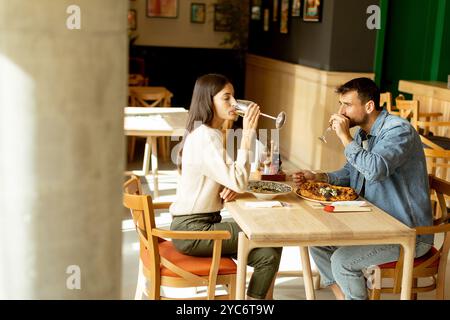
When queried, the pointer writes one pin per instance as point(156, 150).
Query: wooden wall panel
point(308, 98)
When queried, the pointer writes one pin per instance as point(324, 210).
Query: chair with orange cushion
point(433, 264)
point(162, 265)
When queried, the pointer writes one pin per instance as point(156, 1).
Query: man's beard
point(363, 121)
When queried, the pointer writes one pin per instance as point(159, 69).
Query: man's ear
point(370, 107)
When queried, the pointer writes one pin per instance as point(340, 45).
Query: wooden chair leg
point(132, 146)
point(316, 282)
point(414, 285)
point(375, 294)
point(164, 147)
point(440, 286)
point(232, 288)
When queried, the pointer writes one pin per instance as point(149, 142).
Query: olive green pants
point(265, 261)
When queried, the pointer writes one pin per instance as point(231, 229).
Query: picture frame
point(266, 20)
point(275, 10)
point(198, 12)
point(284, 16)
point(162, 8)
point(256, 10)
point(132, 19)
point(312, 10)
point(296, 8)
point(222, 18)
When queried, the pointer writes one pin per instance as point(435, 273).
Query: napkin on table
point(349, 203)
point(263, 204)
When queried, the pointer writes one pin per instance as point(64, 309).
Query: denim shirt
point(394, 169)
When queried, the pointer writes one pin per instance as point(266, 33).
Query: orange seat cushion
point(417, 261)
point(196, 265)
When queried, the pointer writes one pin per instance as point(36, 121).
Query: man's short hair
point(367, 90)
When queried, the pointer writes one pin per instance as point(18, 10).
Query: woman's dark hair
point(367, 90)
point(201, 110)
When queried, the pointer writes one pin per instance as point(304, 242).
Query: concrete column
point(62, 94)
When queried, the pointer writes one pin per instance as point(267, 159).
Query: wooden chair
point(162, 265)
point(433, 264)
point(437, 162)
point(409, 109)
point(386, 99)
point(143, 100)
point(136, 72)
point(420, 125)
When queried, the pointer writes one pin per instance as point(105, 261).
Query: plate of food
point(267, 190)
point(325, 193)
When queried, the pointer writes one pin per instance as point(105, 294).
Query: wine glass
point(242, 106)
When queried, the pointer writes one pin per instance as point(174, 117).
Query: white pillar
point(62, 93)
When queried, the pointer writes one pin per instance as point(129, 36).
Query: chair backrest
point(409, 109)
point(437, 162)
point(386, 98)
point(141, 208)
point(136, 66)
point(441, 226)
point(441, 190)
point(142, 99)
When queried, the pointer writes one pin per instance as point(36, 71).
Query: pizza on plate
point(322, 191)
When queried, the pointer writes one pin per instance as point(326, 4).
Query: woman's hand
point(227, 194)
point(250, 123)
point(251, 117)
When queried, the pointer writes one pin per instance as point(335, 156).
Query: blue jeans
point(344, 265)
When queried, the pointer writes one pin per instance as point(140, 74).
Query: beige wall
point(178, 32)
point(307, 96)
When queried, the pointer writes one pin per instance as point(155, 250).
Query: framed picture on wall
point(296, 5)
point(275, 10)
point(222, 18)
point(162, 8)
point(198, 12)
point(312, 10)
point(132, 19)
point(266, 19)
point(256, 10)
point(284, 17)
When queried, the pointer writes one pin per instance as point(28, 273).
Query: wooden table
point(152, 123)
point(302, 225)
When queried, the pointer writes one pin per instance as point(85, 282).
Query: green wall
point(414, 44)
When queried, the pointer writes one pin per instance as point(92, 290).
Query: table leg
point(307, 274)
point(243, 249)
point(409, 250)
point(147, 152)
point(155, 167)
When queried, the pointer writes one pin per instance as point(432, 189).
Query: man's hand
point(304, 175)
point(227, 194)
point(341, 125)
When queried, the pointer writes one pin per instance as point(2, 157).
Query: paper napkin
point(263, 204)
point(349, 204)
